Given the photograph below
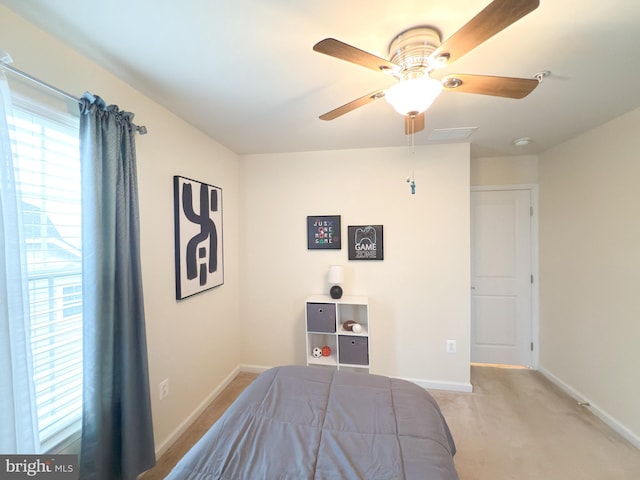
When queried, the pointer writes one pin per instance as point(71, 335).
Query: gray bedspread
point(314, 423)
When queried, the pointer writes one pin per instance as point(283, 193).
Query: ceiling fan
point(416, 53)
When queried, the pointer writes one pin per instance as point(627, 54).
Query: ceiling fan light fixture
point(413, 96)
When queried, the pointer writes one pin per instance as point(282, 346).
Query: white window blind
point(48, 178)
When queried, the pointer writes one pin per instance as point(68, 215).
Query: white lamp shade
point(414, 95)
point(336, 274)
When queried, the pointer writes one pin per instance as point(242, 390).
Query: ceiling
point(244, 71)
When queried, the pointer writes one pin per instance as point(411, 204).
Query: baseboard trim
point(426, 384)
point(253, 368)
point(170, 440)
point(595, 409)
point(441, 385)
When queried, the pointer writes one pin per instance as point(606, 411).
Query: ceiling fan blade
point(497, 16)
point(488, 85)
point(413, 123)
point(336, 48)
point(352, 105)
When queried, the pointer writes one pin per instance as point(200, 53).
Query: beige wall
point(194, 343)
point(520, 170)
point(589, 237)
point(419, 293)
point(590, 268)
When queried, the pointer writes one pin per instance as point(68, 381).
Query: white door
point(501, 281)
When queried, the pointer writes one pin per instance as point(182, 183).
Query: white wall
point(590, 268)
point(194, 342)
point(419, 293)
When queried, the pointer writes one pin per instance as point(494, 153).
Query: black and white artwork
point(198, 236)
point(365, 242)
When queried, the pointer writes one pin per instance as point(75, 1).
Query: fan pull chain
point(413, 133)
point(410, 180)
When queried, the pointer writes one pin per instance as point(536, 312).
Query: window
point(48, 179)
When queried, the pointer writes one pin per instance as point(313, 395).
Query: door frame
point(535, 289)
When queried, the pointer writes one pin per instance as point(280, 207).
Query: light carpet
point(518, 425)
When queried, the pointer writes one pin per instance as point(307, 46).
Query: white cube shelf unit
point(325, 317)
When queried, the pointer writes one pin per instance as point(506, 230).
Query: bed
point(295, 422)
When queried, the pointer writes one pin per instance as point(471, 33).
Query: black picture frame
point(323, 232)
point(366, 242)
point(199, 255)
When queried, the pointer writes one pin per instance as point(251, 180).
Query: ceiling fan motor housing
point(411, 49)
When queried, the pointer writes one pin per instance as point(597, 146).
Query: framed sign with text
point(323, 232)
point(365, 242)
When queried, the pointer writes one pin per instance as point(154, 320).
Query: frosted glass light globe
point(413, 96)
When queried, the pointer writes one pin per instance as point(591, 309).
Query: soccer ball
point(317, 352)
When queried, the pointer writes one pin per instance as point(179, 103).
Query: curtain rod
point(141, 129)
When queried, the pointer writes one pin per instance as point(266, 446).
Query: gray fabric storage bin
point(321, 317)
point(353, 350)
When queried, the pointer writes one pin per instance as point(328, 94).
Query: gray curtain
point(117, 433)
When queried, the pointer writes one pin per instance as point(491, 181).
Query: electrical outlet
point(451, 346)
point(163, 389)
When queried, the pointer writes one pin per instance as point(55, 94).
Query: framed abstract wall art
point(323, 232)
point(198, 236)
point(365, 242)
